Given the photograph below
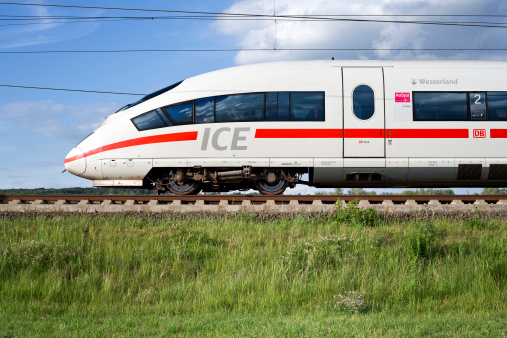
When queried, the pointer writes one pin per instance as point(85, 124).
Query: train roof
point(246, 76)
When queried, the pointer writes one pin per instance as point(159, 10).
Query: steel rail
point(254, 199)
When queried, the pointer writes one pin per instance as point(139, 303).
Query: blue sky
point(39, 127)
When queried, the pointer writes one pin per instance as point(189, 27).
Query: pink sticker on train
point(401, 97)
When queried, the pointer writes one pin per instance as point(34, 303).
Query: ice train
point(343, 123)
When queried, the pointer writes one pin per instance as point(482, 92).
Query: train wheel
point(188, 188)
point(266, 188)
point(273, 184)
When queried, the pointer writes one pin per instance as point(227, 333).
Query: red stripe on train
point(427, 133)
point(362, 133)
point(298, 133)
point(175, 137)
point(498, 133)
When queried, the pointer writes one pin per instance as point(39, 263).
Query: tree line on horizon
point(420, 191)
point(130, 191)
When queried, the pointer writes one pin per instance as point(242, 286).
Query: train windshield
point(150, 96)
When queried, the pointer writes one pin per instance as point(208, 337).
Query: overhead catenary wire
point(273, 17)
point(71, 90)
point(253, 50)
point(68, 20)
point(240, 14)
point(468, 24)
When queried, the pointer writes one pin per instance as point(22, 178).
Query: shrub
point(475, 222)
point(421, 239)
point(354, 215)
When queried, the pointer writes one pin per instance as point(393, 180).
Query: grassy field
point(351, 275)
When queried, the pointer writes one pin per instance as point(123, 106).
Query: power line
point(70, 90)
point(289, 15)
point(239, 14)
point(251, 49)
point(326, 18)
point(60, 20)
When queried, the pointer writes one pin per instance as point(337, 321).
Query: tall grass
point(250, 265)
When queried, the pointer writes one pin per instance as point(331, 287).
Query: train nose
point(75, 162)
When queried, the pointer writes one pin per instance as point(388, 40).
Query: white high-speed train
point(344, 123)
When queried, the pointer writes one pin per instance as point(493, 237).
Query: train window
point(149, 120)
point(440, 106)
point(243, 107)
point(283, 106)
point(271, 106)
point(307, 106)
point(205, 110)
point(363, 100)
point(165, 118)
point(181, 113)
point(497, 106)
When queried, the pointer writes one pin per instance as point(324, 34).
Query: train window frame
point(312, 92)
point(148, 112)
point(374, 107)
point(192, 102)
point(166, 118)
point(467, 105)
point(288, 105)
point(237, 94)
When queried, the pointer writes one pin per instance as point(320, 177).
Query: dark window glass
point(181, 113)
point(244, 107)
point(307, 106)
point(149, 120)
point(165, 118)
point(271, 106)
point(477, 106)
point(150, 96)
point(283, 106)
point(205, 110)
point(363, 100)
point(440, 106)
point(497, 106)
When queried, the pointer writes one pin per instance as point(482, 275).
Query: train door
point(363, 112)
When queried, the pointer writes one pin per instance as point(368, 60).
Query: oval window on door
point(363, 100)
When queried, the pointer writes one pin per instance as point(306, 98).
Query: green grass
point(158, 274)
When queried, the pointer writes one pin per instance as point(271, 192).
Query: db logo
point(479, 133)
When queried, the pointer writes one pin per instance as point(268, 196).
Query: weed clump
point(420, 241)
point(351, 302)
point(354, 215)
point(475, 222)
point(324, 253)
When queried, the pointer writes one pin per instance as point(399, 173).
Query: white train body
point(380, 124)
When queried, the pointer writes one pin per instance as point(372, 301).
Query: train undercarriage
point(191, 181)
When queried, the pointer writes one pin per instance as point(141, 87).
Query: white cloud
point(57, 120)
point(305, 34)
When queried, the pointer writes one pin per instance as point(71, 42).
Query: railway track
point(244, 203)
